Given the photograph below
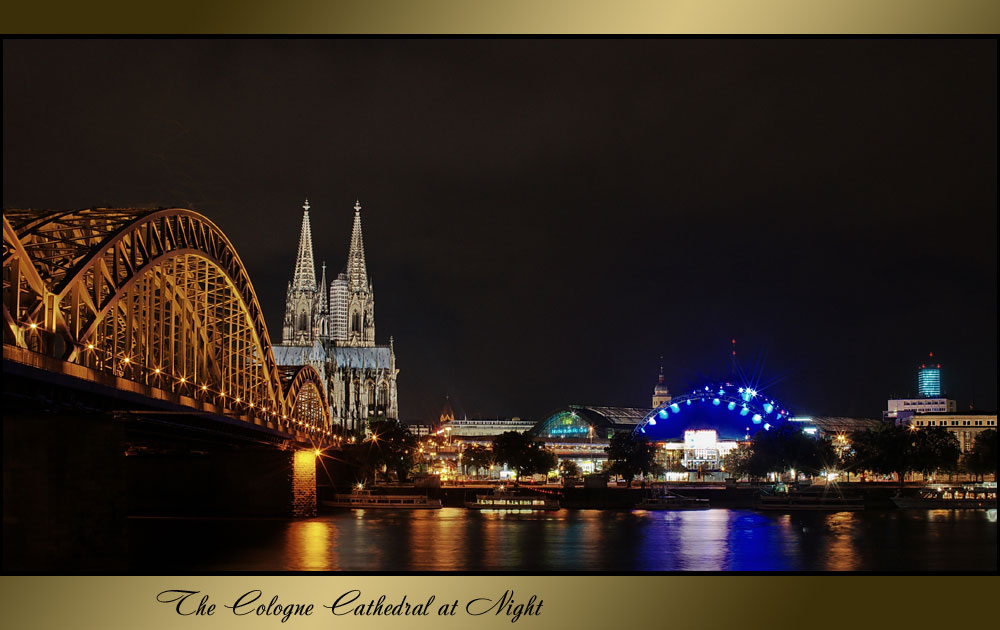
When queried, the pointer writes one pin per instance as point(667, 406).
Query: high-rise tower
point(929, 379)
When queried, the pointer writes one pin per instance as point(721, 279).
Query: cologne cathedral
point(331, 326)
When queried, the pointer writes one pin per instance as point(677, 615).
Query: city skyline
point(545, 219)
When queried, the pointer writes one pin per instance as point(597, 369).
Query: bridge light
point(183, 380)
point(318, 452)
point(716, 401)
point(652, 421)
point(33, 325)
point(237, 399)
point(90, 346)
point(756, 418)
point(204, 388)
point(126, 360)
point(156, 371)
point(731, 406)
point(768, 407)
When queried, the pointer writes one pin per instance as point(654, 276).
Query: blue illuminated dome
point(733, 412)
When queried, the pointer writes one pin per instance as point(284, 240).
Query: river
point(454, 539)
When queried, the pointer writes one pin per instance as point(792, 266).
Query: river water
point(453, 539)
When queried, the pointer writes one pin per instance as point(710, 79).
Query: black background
point(545, 218)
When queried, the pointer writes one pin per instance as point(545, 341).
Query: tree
point(630, 455)
point(981, 460)
point(569, 468)
point(477, 457)
point(937, 448)
point(740, 462)
point(898, 450)
point(390, 445)
point(523, 454)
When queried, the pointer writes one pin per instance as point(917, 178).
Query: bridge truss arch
point(154, 296)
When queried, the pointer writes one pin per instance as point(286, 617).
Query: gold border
point(816, 603)
point(574, 601)
point(505, 16)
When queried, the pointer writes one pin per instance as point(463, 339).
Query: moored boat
point(812, 500)
point(504, 499)
point(967, 496)
point(364, 499)
point(671, 501)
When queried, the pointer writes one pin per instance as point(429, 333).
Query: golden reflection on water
point(840, 552)
point(311, 546)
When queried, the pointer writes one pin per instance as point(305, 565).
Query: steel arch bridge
point(157, 297)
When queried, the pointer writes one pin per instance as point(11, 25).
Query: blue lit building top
point(734, 413)
point(929, 380)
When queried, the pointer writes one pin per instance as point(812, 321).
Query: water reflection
point(453, 539)
point(311, 546)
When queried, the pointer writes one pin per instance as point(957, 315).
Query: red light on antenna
point(939, 365)
point(734, 353)
point(930, 354)
point(734, 341)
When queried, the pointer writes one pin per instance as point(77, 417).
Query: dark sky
point(544, 219)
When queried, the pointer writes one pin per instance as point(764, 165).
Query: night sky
point(544, 219)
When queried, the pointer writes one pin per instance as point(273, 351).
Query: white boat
point(364, 500)
point(967, 496)
point(503, 499)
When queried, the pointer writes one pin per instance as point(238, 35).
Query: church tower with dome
point(661, 393)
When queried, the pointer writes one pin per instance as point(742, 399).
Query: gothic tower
point(352, 302)
point(305, 315)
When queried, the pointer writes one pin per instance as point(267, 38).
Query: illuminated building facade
point(966, 426)
point(898, 406)
point(696, 430)
point(581, 433)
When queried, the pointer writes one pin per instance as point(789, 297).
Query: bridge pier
point(246, 482)
point(71, 482)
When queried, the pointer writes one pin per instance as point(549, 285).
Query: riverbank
point(876, 496)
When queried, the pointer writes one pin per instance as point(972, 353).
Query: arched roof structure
point(733, 412)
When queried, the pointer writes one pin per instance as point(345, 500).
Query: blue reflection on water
point(454, 539)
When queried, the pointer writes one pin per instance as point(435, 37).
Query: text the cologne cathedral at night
point(331, 326)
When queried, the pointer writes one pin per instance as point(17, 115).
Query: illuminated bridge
point(149, 314)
